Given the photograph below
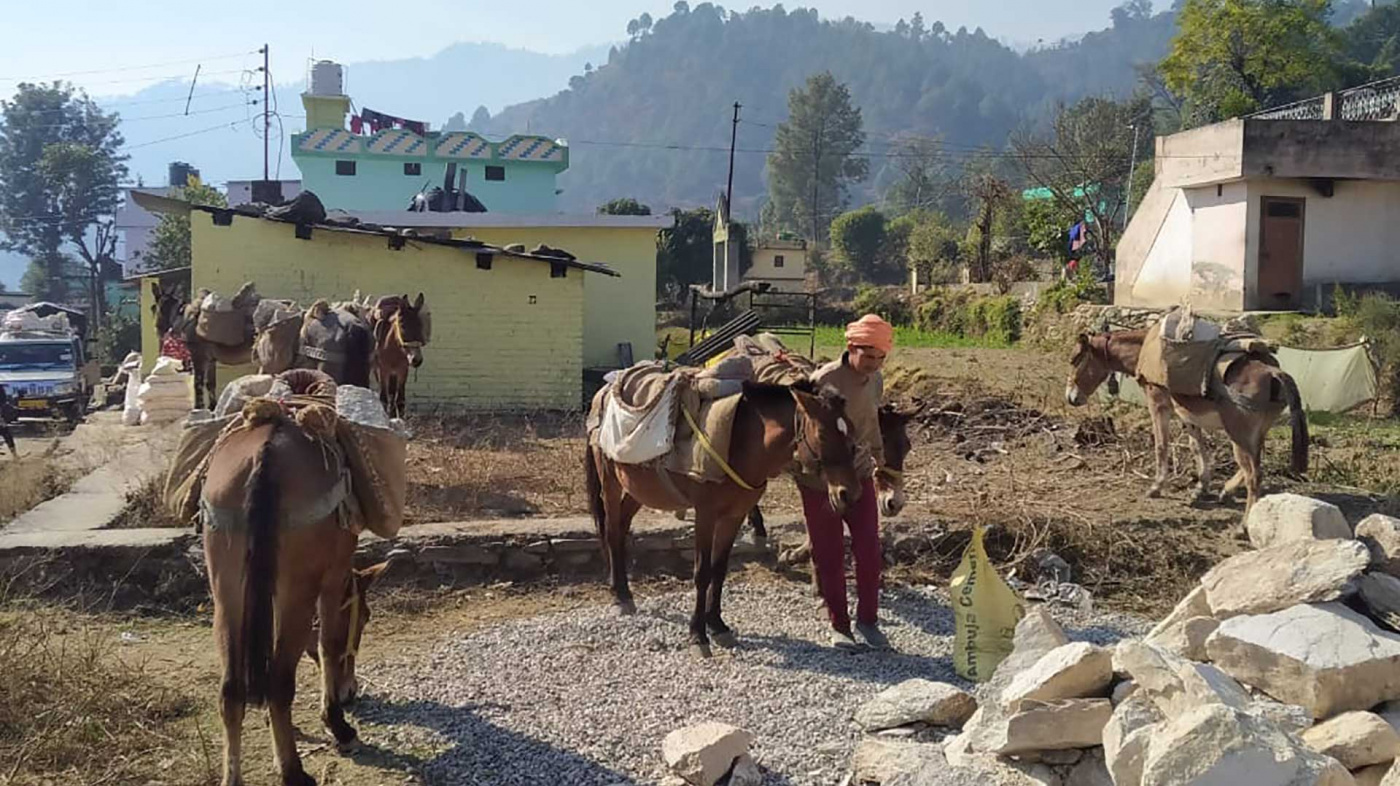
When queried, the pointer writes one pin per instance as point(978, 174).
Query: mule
point(772, 425)
point(175, 314)
point(401, 329)
point(276, 560)
point(889, 479)
point(332, 340)
point(1244, 405)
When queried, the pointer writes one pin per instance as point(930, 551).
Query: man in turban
point(857, 377)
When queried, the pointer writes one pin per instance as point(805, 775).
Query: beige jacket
point(863, 398)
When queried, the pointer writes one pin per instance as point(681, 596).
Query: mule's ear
point(155, 289)
point(418, 303)
point(368, 576)
point(1083, 341)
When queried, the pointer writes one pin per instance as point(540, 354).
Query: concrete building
point(1269, 212)
point(781, 262)
point(384, 169)
point(134, 224)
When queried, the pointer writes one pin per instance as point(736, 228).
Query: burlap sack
point(228, 328)
point(185, 478)
point(1182, 367)
point(377, 458)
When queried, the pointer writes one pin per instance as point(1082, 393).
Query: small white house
point(781, 262)
point(1269, 212)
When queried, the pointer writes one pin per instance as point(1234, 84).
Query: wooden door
point(1280, 279)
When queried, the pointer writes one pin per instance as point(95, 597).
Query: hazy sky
point(46, 39)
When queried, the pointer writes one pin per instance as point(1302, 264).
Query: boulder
point(1173, 683)
point(1289, 717)
point(1193, 605)
point(1326, 658)
point(705, 752)
point(965, 766)
point(1042, 726)
point(1381, 534)
point(1380, 594)
point(1126, 735)
point(1284, 575)
point(1216, 745)
point(1036, 635)
point(1123, 691)
point(1392, 778)
point(1187, 638)
point(746, 772)
point(1279, 518)
point(878, 761)
point(914, 701)
point(1373, 775)
point(1356, 739)
point(1090, 771)
point(1073, 671)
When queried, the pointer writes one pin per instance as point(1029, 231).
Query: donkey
point(276, 559)
point(401, 328)
point(175, 314)
point(773, 423)
point(1244, 405)
point(333, 340)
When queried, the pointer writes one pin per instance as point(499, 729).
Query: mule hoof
point(348, 747)
point(700, 650)
point(625, 608)
point(725, 639)
point(298, 778)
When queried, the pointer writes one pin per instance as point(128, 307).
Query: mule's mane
point(766, 392)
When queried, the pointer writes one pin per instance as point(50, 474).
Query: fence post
point(1329, 103)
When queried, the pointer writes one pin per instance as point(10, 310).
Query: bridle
point(397, 333)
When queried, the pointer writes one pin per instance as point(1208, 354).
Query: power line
point(164, 77)
point(158, 117)
point(123, 68)
point(221, 126)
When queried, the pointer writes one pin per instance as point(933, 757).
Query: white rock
point(1187, 638)
point(1073, 671)
point(1284, 575)
point(1042, 726)
point(916, 700)
point(1356, 739)
point(1216, 745)
point(1324, 657)
point(1279, 518)
point(1173, 683)
point(1193, 605)
point(883, 762)
point(703, 753)
point(1036, 635)
point(1090, 771)
point(746, 772)
point(1126, 735)
point(1382, 535)
point(1289, 717)
point(1380, 594)
point(971, 767)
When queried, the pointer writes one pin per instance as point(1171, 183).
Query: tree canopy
point(169, 247)
point(813, 160)
point(624, 206)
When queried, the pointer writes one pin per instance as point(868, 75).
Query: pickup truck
point(45, 376)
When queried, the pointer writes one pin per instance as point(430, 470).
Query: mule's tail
point(594, 484)
point(260, 573)
point(1299, 418)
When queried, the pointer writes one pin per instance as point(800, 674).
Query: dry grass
point(145, 507)
point(73, 709)
point(493, 466)
point(27, 481)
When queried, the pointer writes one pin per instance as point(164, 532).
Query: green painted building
point(384, 169)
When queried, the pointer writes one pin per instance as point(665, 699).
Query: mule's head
point(824, 440)
point(412, 326)
point(168, 308)
point(1090, 368)
point(355, 608)
point(889, 479)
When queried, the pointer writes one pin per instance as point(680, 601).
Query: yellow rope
point(710, 449)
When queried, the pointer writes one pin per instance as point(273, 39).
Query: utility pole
point(267, 119)
point(816, 181)
point(729, 186)
point(1132, 168)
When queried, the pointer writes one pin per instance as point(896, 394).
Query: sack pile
point(228, 321)
point(24, 320)
point(131, 406)
point(165, 395)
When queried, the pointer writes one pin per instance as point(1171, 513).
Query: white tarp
point(631, 437)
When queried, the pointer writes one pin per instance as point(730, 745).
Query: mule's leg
point(704, 544)
point(760, 532)
point(335, 641)
point(618, 511)
point(1232, 485)
point(726, 530)
point(1204, 467)
point(294, 610)
point(384, 391)
point(225, 584)
point(197, 366)
point(1159, 406)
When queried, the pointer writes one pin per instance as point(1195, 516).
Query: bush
point(1067, 294)
point(1377, 317)
point(962, 313)
point(891, 303)
point(116, 338)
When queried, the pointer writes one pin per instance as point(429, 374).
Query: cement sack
point(240, 392)
point(165, 366)
point(985, 611)
point(377, 457)
point(131, 404)
point(636, 436)
point(185, 478)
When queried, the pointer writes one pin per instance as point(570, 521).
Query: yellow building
point(781, 262)
point(508, 329)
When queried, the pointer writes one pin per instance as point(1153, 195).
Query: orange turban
point(870, 331)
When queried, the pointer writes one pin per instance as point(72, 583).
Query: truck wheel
point(73, 413)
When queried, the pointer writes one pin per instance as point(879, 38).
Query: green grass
point(912, 338)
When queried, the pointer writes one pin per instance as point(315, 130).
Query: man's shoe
point(873, 637)
point(843, 641)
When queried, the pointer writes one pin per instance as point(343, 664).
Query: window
point(1279, 209)
point(345, 168)
point(412, 168)
point(495, 173)
point(777, 260)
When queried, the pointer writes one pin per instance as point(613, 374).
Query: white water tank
point(327, 78)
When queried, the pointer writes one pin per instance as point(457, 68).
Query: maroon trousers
point(824, 529)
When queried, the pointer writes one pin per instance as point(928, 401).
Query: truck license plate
point(33, 403)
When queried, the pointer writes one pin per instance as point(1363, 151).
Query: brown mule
point(1244, 405)
point(401, 329)
point(276, 560)
point(174, 313)
point(771, 425)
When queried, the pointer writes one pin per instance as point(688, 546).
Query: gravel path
point(584, 698)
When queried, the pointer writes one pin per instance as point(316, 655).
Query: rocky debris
point(1174, 684)
point(878, 761)
point(1123, 691)
point(1287, 574)
point(1324, 657)
point(1071, 671)
point(1381, 534)
point(1193, 605)
point(1289, 717)
point(1187, 639)
point(915, 701)
point(1279, 518)
point(988, 768)
point(1126, 735)
point(705, 752)
point(1356, 739)
point(1090, 771)
point(1373, 775)
point(1216, 744)
point(746, 772)
point(1042, 726)
point(1380, 595)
